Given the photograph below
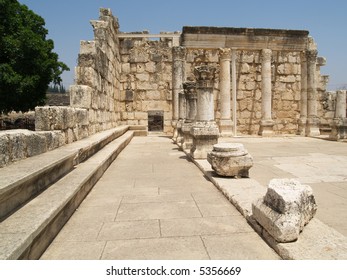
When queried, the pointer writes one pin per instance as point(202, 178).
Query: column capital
point(303, 56)
point(178, 53)
point(225, 53)
point(311, 55)
point(266, 55)
point(204, 75)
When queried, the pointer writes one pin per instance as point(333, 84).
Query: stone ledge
point(24, 179)
point(317, 240)
point(28, 232)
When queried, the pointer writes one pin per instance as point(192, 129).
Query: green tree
point(27, 61)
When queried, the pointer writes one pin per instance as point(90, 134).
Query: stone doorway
point(156, 121)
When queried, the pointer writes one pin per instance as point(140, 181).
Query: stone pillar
point(234, 93)
point(191, 107)
point(303, 97)
point(225, 123)
point(312, 122)
point(178, 72)
point(182, 116)
point(266, 123)
point(205, 131)
point(191, 97)
point(339, 123)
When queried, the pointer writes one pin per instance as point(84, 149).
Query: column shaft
point(178, 58)
point(312, 123)
point(340, 111)
point(266, 123)
point(303, 97)
point(178, 73)
point(234, 96)
point(225, 123)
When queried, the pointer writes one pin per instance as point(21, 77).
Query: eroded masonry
point(256, 82)
point(266, 82)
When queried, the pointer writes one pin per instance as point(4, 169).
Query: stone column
point(205, 131)
point(312, 122)
point(178, 72)
point(266, 123)
point(225, 123)
point(234, 93)
point(191, 97)
point(339, 123)
point(303, 97)
point(191, 107)
point(181, 114)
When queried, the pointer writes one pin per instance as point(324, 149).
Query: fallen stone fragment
point(230, 160)
point(285, 209)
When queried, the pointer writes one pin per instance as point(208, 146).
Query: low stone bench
point(25, 179)
point(27, 233)
point(230, 160)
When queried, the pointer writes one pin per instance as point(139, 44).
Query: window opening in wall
point(155, 120)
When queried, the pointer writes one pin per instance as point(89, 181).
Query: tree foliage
point(27, 61)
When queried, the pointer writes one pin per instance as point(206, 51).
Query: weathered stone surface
point(230, 160)
point(285, 209)
point(81, 96)
point(205, 135)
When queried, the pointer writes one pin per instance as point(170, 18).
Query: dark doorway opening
point(155, 120)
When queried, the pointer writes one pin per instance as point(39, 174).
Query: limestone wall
point(146, 80)
point(94, 99)
point(18, 144)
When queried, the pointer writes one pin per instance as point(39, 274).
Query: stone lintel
point(244, 38)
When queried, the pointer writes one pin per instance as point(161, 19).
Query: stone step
point(23, 180)
point(139, 130)
point(27, 233)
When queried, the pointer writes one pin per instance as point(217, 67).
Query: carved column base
point(338, 129)
point(205, 135)
point(230, 160)
point(312, 127)
point(266, 128)
point(187, 139)
point(226, 128)
point(301, 127)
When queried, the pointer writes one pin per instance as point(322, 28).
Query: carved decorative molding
point(178, 53)
point(225, 53)
point(266, 55)
point(205, 75)
point(311, 56)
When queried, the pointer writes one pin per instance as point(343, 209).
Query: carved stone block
point(230, 159)
point(285, 209)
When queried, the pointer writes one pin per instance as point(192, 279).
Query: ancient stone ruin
point(120, 77)
point(265, 81)
point(285, 209)
point(230, 160)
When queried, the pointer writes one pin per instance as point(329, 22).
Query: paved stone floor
point(319, 163)
point(152, 203)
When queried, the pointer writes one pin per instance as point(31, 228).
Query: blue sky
point(68, 22)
